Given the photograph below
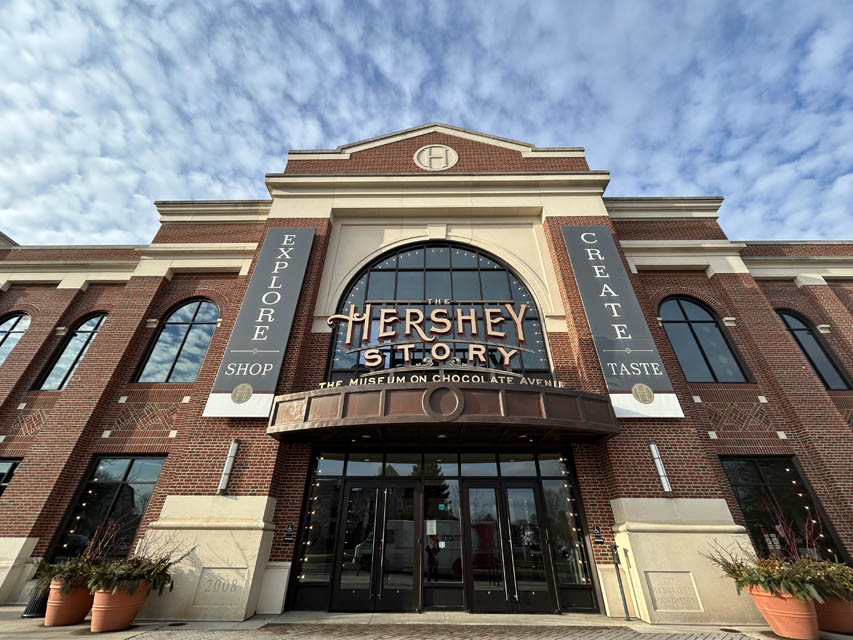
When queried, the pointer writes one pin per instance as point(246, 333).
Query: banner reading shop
point(245, 383)
point(636, 379)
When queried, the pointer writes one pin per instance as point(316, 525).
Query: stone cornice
point(666, 208)
point(711, 256)
point(182, 211)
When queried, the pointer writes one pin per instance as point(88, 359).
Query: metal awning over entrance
point(443, 414)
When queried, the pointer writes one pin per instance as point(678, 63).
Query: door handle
point(382, 545)
point(512, 559)
point(500, 550)
point(375, 518)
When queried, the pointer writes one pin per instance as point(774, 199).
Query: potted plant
point(783, 590)
point(69, 599)
point(67, 581)
point(836, 586)
point(121, 587)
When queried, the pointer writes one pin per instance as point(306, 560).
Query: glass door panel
point(356, 556)
point(527, 551)
point(487, 589)
point(399, 551)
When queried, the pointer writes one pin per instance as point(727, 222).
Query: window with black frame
point(71, 353)
point(814, 350)
point(182, 343)
point(699, 342)
point(12, 329)
point(467, 278)
point(119, 489)
point(781, 513)
point(7, 470)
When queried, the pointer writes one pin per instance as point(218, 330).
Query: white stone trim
point(804, 270)
point(520, 244)
point(220, 405)
point(433, 127)
point(154, 260)
point(213, 210)
point(664, 405)
point(711, 256)
point(663, 208)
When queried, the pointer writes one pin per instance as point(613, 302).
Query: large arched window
point(11, 329)
point(813, 349)
point(182, 343)
point(703, 351)
point(69, 356)
point(435, 276)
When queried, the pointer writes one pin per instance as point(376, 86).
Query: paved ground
point(432, 625)
point(431, 632)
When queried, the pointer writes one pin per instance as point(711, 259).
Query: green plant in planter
point(72, 573)
point(801, 578)
point(835, 581)
point(130, 572)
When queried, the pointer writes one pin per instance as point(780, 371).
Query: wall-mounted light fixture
point(664, 480)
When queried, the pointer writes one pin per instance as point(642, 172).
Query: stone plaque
point(673, 591)
point(220, 587)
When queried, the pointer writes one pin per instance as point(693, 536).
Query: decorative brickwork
point(474, 157)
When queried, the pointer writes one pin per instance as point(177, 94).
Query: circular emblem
point(642, 393)
point(242, 393)
point(442, 403)
point(436, 157)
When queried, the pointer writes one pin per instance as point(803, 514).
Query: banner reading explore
point(245, 384)
point(636, 378)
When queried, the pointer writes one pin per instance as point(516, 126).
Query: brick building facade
point(759, 398)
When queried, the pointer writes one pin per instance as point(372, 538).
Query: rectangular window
point(780, 511)
point(7, 470)
point(118, 489)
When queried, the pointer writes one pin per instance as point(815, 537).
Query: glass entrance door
point(379, 552)
point(508, 565)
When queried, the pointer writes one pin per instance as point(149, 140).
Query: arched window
point(814, 350)
point(11, 330)
point(71, 353)
point(182, 343)
point(433, 276)
point(701, 346)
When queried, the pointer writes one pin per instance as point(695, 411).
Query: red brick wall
point(205, 232)
point(688, 229)
point(794, 249)
point(396, 157)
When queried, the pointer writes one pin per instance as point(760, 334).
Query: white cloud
point(107, 106)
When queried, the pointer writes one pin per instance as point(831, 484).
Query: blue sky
point(109, 105)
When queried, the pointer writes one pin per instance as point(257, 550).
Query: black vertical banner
point(245, 384)
point(636, 378)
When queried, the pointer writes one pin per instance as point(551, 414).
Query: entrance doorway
point(508, 557)
point(414, 531)
point(378, 556)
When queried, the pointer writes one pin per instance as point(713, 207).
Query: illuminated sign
point(404, 330)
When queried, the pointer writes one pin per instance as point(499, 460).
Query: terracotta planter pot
point(835, 615)
point(116, 611)
point(66, 608)
point(787, 616)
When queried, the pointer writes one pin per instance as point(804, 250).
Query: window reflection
point(11, 330)
point(72, 353)
point(462, 276)
point(183, 341)
point(119, 489)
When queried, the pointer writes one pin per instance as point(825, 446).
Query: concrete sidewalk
point(432, 625)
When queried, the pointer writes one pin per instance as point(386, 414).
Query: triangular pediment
point(474, 152)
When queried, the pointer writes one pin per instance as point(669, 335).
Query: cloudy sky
point(109, 105)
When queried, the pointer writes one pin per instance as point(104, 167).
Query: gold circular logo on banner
point(242, 393)
point(643, 393)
